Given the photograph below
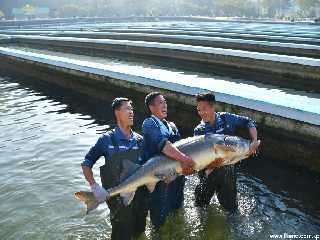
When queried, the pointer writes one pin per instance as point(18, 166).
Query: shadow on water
point(299, 188)
point(272, 197)
point(77, 103)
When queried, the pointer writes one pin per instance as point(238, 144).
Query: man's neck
point(160, 118)
point(213, 120)
point(126, 129)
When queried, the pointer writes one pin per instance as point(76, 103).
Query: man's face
point(125, 114)
point(159, 107)
point(205, 110)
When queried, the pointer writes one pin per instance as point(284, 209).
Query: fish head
point(231, 148)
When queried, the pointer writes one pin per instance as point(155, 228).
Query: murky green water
point(46, 131)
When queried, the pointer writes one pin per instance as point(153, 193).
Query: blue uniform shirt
point(104, 146)
point(225, 123)
point(155, 136)
point(166, 197)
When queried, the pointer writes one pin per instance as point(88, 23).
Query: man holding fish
point(169, 159)
point(223, 180)
point(117, 145)
point(159, 135)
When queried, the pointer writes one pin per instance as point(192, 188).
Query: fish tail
point(108, 196)
point(94, 204)
point(89, 200)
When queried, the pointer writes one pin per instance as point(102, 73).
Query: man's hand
point(99, 192)
point(187, 165)
point(186, 162)
point(254, 147)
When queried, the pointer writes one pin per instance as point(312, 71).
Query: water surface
point(45, 132)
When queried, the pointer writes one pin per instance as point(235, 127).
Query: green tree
point(1, 14)
point(308, 8)
point(232, 8)
point(29, 9)
point(74, 10)
point(274, 8)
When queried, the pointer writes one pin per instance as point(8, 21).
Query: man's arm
point(186, 162)
point(198, 130)
point(245, 122)
point(90, 159)
point(253, 133)
point(254, 141)
point(88, 174)
point(153, 134)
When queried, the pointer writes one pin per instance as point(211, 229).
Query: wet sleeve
point(198, 130)
point(141, 145)
point(140, 141)
point(94, 153)
point(240, 121)
point(152, 134)
point(175, 130)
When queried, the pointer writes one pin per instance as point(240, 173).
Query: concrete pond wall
point(20, 23)
point(289, 47)
point(287, 140)
point(289, 71)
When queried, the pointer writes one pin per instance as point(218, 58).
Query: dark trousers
point(165, 199)
point(129, 222)
point(223, 182)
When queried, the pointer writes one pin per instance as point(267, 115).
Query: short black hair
point(117, 103)
point(206, 97)
point(149, 99)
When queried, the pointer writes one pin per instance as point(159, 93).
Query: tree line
point(279, 9)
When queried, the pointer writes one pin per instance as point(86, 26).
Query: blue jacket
point(154, 138)
point(225, 123)
point(166, 197)
point(104, 146)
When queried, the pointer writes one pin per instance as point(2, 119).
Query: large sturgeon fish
point(204, 150)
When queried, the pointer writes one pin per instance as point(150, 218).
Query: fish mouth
point(80, 196)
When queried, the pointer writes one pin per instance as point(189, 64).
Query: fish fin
point(90, 201)
point(91, 206)
point(208, 171)
point(218, 162)
point(160, 176)
point(221, 147)
point(167, 178)
point(127, 197)
point(151, 186)
point(128, 167)
point(170, 178)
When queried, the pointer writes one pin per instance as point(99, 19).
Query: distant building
point(29, 12)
